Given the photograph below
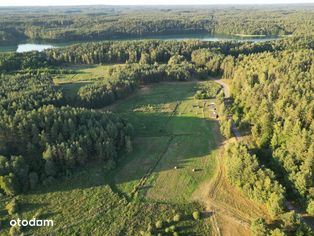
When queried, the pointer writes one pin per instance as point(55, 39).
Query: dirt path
point(230, 211)
point(225, 205)
point(144, 179)
point(224, 85)
point(237, 136)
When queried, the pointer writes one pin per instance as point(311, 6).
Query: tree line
point(122, 81)
point(146, 51)
point(259, 184)
point(111, 23)
point(273, 94)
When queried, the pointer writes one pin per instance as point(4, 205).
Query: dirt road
point(224, 85)
point(237, 135)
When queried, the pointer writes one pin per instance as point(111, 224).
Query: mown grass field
point(170, 129)
point(145, 187)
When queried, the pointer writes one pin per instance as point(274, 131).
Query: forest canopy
point(105, 23)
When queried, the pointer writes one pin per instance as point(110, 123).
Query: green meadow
point(174, 146)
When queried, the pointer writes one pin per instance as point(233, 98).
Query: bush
point(143, 233)
point(277, 232)
point(159, 224)
point(310, 208)
point(290, 220)
point(196, 215)
point(177, 218)
point(207, 90)
point(12, 207)
point(172, 228)
point(259, 227)
point(9, 184)
point(15, 231)
point(149, 228)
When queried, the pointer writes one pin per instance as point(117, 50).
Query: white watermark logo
point(33, 222)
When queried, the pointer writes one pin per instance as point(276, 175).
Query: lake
point(35, 46)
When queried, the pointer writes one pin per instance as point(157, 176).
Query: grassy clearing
point(84, 73)
point(161, 113)
point(86, 205)
point(70, 90)
point(95, 201)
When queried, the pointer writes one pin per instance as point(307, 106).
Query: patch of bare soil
point(231, 212)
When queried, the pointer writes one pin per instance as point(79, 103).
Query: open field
point(169, 133)
point(81, 75)
point(86, 204)
point(84, 73)
point(145, 187)
point(183, 142)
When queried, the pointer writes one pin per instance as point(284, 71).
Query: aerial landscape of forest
point(157, 120)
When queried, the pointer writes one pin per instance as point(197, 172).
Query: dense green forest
point(276, 101)
point(260, 184)
point(145, 52)
point(99, 23)
point(39, 142)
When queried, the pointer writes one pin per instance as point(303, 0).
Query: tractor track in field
point(214, 206)
point(238, 138)
point(143, 180)
point(219, 209)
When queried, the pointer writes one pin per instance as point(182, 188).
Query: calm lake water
point(26, 47)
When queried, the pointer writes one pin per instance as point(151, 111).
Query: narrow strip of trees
point(259, 184)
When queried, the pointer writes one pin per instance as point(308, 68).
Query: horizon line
point(166, 5)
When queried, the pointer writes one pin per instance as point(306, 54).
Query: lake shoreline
point(35, 45)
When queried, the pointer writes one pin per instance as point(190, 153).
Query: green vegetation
point(290, 224)
point(277, 102)
point(12, 207)
point(26, 92)
point(159, 224)
point(117, 138)
point(177, 218)
point(173, 124)
point(51, 141)
point(170, 129)
point(107, 22)
point(259, 184)
point(196, 215)
point(208, 90)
